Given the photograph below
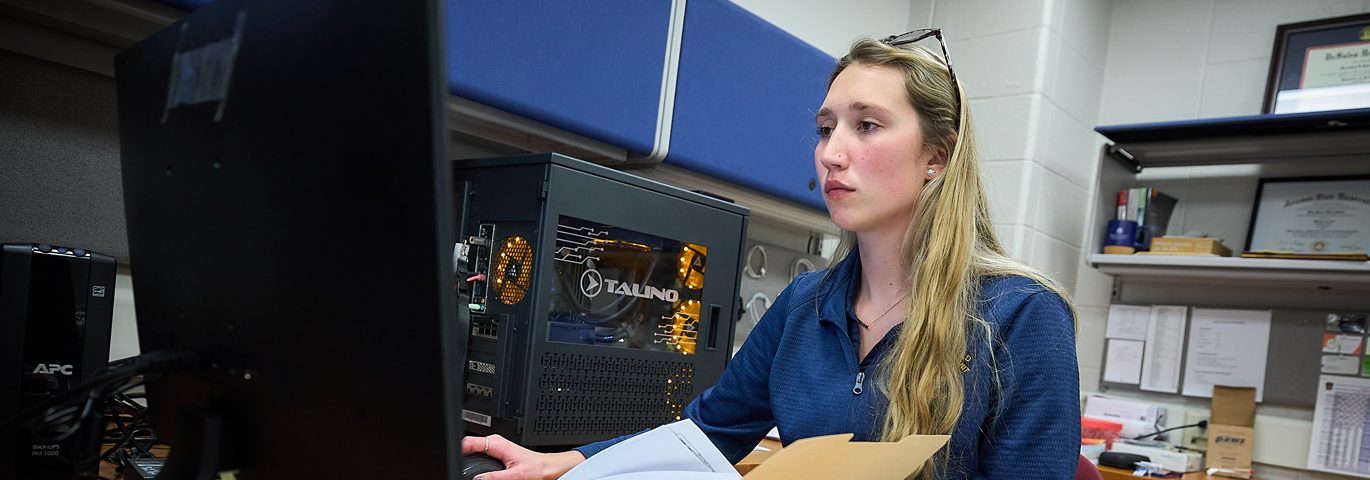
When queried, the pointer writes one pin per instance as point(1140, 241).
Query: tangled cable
point(79, 411)
point(132, 436)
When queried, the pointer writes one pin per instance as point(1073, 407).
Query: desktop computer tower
point(601, 302)
point(56, 308)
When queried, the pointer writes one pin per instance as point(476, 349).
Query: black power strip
point(142, 468)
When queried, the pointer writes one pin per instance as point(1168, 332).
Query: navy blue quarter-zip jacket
point(799, 371)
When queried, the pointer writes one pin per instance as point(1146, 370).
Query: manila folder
point(836, 456)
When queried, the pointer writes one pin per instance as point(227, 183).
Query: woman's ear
point(938, 160)
point(941, 158)
point(936, 164)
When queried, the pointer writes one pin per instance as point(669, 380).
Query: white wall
point(1033, 71)
point(1185, 59)
point(831, 26)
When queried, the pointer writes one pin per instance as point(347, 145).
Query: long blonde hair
point(949, 248)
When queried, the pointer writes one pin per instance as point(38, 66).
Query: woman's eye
point(824, 132)
point(866, 126)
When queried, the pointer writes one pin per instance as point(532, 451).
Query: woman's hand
point(520, 463)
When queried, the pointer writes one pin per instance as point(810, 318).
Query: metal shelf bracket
point(1122, 156)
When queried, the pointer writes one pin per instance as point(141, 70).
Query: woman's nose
point(832, 153)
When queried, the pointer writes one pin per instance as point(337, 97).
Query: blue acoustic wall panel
point(592, 67)
point(589, 67)
point(746, 95)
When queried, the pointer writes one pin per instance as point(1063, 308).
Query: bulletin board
point(1293, 361)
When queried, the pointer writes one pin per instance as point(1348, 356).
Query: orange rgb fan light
point(513, 270)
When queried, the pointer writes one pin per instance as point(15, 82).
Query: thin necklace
point(887, 312)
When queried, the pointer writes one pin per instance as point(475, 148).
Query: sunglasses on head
point(916, 35)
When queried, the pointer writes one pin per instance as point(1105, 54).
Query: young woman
point(924, 326)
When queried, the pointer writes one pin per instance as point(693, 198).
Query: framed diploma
point(1320, 65)
point(1311, 215)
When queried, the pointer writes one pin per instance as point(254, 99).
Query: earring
point(932, 172)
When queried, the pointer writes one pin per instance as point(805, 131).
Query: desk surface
point(1110, 473)
point(757, 456)
point(107, 470)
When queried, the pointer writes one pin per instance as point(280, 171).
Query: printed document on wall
point(1124, 361)
point(1226, 347)
point(1128, 322)
point(1164, 344)
point(1340, 424)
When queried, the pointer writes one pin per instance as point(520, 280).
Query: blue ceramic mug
point(1124, 237)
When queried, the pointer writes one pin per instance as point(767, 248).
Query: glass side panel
point(618, 288)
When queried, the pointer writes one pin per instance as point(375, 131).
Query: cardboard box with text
point(1231, 431)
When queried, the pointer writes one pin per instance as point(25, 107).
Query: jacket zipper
point(860, 377)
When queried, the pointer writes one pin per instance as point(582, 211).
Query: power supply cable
point(78, 411)
point(1201, 424)
point(108, 381)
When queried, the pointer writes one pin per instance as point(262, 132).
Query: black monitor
point(290, 220)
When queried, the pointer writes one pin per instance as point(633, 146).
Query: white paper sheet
point(676, 450)
point(1128, 322)
point(1339, 426)
point(1226, 347)
point(1121, 409)
point(670, 476)
point(1341, 364)
point(1123, 362)
point(1138, 418)
point(1164, 344)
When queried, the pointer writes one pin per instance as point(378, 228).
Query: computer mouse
point(478, 463)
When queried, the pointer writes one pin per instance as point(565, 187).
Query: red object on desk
point(1086, 470)
point(1100, 429)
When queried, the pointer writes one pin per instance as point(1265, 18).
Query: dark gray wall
point(59, 157)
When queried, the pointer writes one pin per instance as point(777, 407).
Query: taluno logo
point(591, 283)
point(642, 291)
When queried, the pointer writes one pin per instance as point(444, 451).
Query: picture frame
point(1335, 77)
point(1311, 215)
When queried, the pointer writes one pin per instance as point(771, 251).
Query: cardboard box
point(1231, 431)
point(1189, 246)
point(836, 456)
point(1169, 459)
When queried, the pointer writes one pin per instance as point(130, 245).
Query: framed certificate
point(1311, 215)
point(1320, 65)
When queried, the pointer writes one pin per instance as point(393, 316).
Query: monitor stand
point(196, 456)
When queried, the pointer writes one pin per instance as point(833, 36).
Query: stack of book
point(1148, 207)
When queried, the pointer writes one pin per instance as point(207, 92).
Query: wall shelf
point(1252, 139)
point(1230, 270)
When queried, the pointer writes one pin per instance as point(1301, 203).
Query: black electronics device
point(601, 302)
point(142, 468)
point(56, 311)
point(1127, 461)
point(478, 463)
point(290, 221)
